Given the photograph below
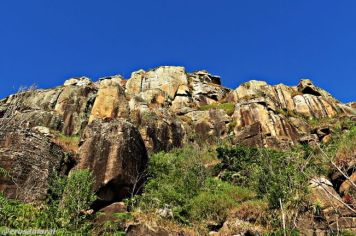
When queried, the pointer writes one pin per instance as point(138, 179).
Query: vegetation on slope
point(199, 188)
point(68, 196)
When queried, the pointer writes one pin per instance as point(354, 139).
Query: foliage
point(343, 147)
point(272, 174)
point(180, 182)
point(76, 198)
point(68, 196)
point(17, 215)
point(116, 226)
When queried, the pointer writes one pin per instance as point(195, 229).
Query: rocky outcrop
point(110, 102)
point(73, 105)
point(157, 86)
point(115, 153)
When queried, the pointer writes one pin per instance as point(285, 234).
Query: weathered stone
point(347, 185)
point(30, 159)
point(114, 151)
point(165, 78)
point(238, 227)
point(206, 88)
point(276, 130)
point(323, 193)
point(160, 130)
point(108, 213)
point(80, 81)
point(74, 104)
point(110, 102)
point(149, 230)
point(344, 223)
point(41, 129)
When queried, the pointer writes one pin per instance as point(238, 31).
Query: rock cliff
point(108, 126)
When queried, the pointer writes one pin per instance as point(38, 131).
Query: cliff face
point(169, 108)
point(109, 125)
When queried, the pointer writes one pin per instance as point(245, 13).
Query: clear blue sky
point(46, 41)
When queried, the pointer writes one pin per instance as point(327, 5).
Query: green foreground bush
point(68, 197)
point(273, 175)
point(180, 182)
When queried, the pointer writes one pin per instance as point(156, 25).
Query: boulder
point(80, 81)
point(323, 194)
point(347, 185)
point(108, 213)
point(115, 152)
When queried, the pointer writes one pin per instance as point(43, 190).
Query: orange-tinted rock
point(114, 151)
point(110, 102)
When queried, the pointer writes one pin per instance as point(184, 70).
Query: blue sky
point(44, 42)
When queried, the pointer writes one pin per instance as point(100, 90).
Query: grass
point(229, 108)
point(68, 143)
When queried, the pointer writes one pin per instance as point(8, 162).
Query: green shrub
point(213, 200)
point(180, 182)
point(77, 196)
point(17, 215)
point(272, 174)
point(68, 197)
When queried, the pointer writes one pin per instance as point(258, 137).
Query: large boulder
point(115, 152)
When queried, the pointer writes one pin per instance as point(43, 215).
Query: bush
point(180, 182)
point(68, 196)
point(77, 197)
point(272, 174)
point(17, 215)
point(214, 199)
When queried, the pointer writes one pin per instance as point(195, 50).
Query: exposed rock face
point(117, 121)
point(206, 88)
point(115, 153)
point(158, 85)
point(110, 100)
point(74, 104)
point(279, 110)
point(30, 159)
point(275, 129)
